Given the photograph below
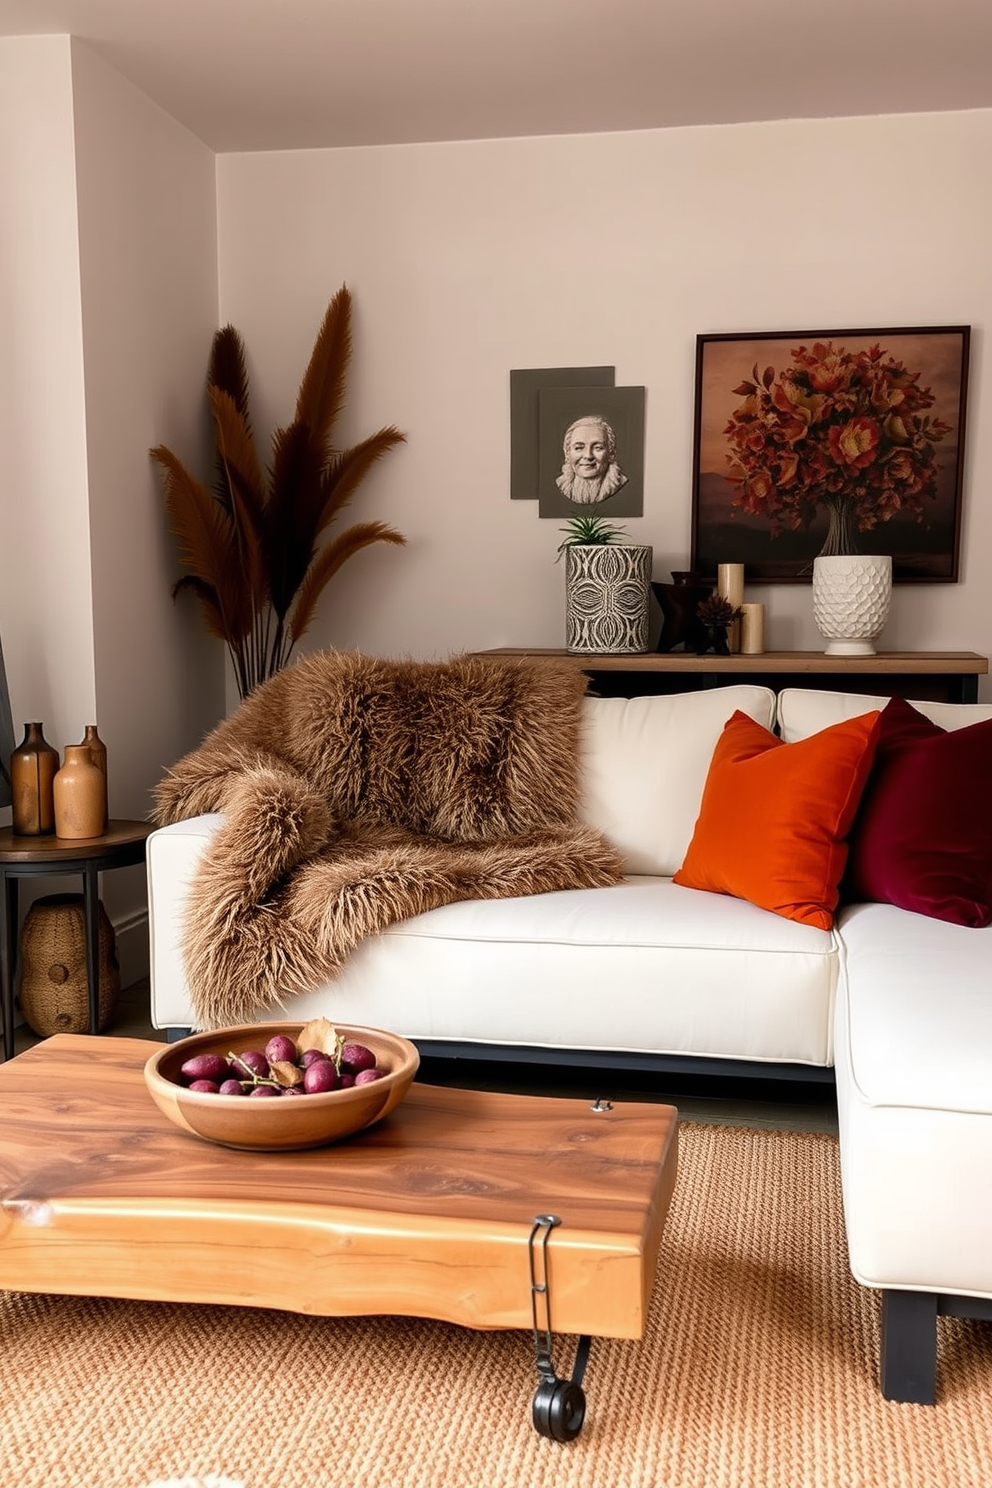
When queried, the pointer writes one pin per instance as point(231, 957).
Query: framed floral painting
point(810, 442)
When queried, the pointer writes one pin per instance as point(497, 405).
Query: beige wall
point(466, 260)
point(46, 600)
point(108, 297)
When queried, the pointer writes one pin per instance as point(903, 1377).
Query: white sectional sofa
point(894, 1006)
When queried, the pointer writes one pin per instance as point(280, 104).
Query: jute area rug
point(758, 1371)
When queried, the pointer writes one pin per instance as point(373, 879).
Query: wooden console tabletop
point(956, 672)
point(427, 1214)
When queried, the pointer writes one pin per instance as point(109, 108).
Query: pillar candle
point(730, 582)
point(730, 586)
point(753, 629)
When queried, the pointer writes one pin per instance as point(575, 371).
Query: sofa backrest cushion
point(805, 710)
point(922, 839)
point(644, 762)
point(775, 817)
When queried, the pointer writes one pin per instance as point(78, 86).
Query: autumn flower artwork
point(830, 444)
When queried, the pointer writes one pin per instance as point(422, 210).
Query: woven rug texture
point(758, 1370)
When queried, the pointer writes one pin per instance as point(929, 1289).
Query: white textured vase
point(851, 597)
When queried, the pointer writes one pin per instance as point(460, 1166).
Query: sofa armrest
point(172, 857)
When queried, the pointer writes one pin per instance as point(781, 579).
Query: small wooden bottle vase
point(98, 754)
point(32, 773)
point(80, 795)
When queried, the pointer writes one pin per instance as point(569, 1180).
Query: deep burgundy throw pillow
point(922, 838)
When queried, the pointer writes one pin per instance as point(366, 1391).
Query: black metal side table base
point(122, 845)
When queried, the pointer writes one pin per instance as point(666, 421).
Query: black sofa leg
point(909, 1347)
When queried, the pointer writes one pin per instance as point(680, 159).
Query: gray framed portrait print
point(591, 444)
point(526, 384)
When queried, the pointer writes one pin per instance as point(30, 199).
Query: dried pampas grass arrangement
point(254, 547)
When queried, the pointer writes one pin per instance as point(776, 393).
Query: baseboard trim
point(131, 935)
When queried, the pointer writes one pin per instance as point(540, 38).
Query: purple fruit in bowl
point(313, 1056)
point(320, 1076)
point(205, 1067)
point(366, 1076)
point(357, 1057)
point(253, 1061)
point(264, 1092)
point(280, 1048)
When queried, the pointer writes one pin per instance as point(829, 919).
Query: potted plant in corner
point(607, 589)
point(255, 547)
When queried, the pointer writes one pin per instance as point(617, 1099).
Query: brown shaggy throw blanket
point(357, 792)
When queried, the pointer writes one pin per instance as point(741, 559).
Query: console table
point(121, 845)
point(932, 676)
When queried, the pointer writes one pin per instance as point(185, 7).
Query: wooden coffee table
point(481, 1209)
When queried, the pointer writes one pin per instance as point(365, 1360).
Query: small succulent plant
point(588, 532)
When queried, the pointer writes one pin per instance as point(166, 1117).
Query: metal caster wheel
point(559, 1409)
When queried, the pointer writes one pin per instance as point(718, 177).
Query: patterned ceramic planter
point(851, 597)
point(607, 597)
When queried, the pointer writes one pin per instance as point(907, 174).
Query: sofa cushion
point(922, 839)
point(644, 762)
point(913, 1053)
point(645, 967)
point(774, 816)
point(802, 711)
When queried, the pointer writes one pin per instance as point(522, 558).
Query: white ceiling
point(288, 74)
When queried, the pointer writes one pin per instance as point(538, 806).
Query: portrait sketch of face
point(591, 450)
point(590, 472)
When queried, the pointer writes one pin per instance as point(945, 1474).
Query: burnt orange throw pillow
point(774, 816)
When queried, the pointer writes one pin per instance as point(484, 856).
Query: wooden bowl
point(289, 1123)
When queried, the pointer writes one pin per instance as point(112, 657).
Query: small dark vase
point(678, 603)
point(33, 765)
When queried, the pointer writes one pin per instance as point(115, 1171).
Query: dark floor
point(746, 1102)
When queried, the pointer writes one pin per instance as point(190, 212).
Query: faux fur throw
point(357, 792)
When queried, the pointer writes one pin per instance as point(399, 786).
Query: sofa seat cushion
point(920, 999)
point(645, 966)
point(913, 1055)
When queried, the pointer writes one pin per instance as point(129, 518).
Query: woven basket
point(54, 996)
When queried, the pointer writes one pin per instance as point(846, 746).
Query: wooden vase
point(33, 766)
point(80, 790)
point(98, 754)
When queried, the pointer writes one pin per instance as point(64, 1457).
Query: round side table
point(122, 845)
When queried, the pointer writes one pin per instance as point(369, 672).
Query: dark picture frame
point(749, 445)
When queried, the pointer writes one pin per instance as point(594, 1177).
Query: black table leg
point(91, 916)
point(908, 1365)
point(10, 973)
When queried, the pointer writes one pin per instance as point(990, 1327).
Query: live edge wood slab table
point(481, 1209)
